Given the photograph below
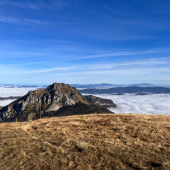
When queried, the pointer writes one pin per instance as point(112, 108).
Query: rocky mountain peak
point(58, 88)
point(53, 98)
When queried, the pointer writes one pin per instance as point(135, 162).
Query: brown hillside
point(87, 142)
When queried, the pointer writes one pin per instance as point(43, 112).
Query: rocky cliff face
point(58, 99)
point(53, 98)
point(102, 102)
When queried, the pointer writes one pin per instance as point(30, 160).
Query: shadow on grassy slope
point(77, 109)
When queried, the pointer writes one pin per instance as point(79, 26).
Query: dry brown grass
point(102, 142)
point(64, 90)
point(42, 92)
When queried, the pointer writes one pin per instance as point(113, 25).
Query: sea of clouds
point(5, 102)
point(7, 92)
point(157, 104)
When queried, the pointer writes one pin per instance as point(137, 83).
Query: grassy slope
point(87, 142)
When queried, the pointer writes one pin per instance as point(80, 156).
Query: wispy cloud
point(21, 5)
point(65, 53)
point(37, 5)
point(13, 20)
point(123, 53)
point(62, 53)
point(117, 68)
point(7, 91)
point(116, 75)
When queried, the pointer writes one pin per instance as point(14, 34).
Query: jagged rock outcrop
point(36, 104)
point(102, 102)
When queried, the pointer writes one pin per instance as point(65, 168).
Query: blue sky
point(85, 41)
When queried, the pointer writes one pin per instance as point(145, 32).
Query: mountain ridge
point(35, 104)
point(132, 89)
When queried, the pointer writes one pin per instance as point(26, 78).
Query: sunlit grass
point(87, 142)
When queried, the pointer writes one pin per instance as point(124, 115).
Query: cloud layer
point(7, 92)
point(156, 104)
point(5, 102)
point(129, 72)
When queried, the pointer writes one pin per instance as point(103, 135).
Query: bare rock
point(100, 101)
point(53, 98)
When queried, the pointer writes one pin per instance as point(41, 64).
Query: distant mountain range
point(131, 89)
point(139, 89)
point(102, 85)
point(144, 85)
point(105, 85)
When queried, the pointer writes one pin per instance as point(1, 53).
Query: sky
point(87, 41)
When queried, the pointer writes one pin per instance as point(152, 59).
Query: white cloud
point(5, 102)
point(6, 92)
point(37, 5)
point(21, 5)
point(156, 104)
point(127, 53)
point(13, 20)
point(116, 67)
point(153, 70)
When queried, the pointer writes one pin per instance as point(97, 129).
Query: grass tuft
point(102, 142)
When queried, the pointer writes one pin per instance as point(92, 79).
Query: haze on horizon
point(84, 42)
point(156, 104)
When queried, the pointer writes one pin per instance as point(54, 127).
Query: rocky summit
point(58, 99)
point(100, 101)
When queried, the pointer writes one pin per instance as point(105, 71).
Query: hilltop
point(101, 142)
point(58, 99)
